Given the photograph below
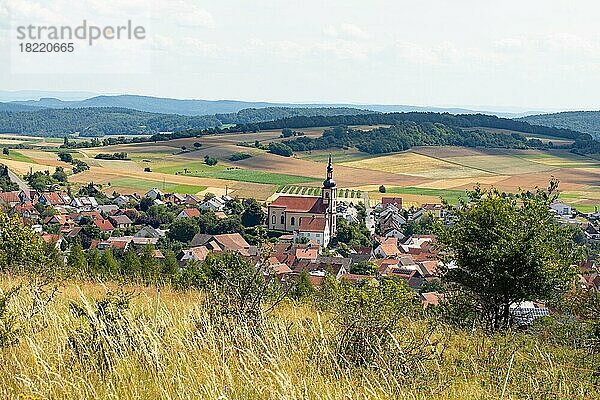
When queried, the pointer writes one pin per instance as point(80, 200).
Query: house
point(307, 253)
point(314, 229)
point(92, 215)
point(336, 266)
point(29, 196)
point(434, 209)
point(104, 225)
point(26, 210)
point(274, 266)
point(236, 243)
point(189, 213)
point(64, 221)
point(150, 232)
point(192, 200)
point(108, 209)
point(54, 198)
point(395, 201)
point(233, 242)
point(348, 212)
point(197, 254)
point(10, 199)
point(391, 221)
point(215, 203)
point(417, 244)
point(87, 203)
point(175, 198)
point(285, 212)
point(387, 250)
point(121, 221)
point(561, 208)
point(155, 194)
point(121, 201)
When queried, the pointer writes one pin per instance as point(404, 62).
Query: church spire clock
point(329, 198)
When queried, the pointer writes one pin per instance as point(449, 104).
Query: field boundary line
point(456, 163)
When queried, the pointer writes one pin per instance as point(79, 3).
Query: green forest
point(100, 121)
point(408, 134)
point(582, 121)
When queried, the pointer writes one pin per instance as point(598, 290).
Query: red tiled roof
point(307, 254)
point(389, 249)
point(312, 224)
point(119, 244)
point(192, 212)
point(54, 198)
point(10, 197)
point(300, 204)
point(232, 241)
point(392, 200)
point(104, 224)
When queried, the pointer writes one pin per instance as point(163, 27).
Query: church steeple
point(329, 198)
point(329, 182)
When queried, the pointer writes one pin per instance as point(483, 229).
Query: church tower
point(329, 197)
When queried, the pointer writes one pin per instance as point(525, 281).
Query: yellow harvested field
point(345, 176)
point(417, 165)
point(462, 182)
point(22, 168)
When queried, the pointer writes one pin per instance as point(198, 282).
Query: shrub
point(208, 160)
point(367, 314)
point(280, 149)
point(239, 156)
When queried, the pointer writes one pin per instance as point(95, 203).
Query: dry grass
point(178, 354)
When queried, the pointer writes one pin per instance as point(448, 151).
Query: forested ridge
point(582, 121)
point(407, 134)
point(461, 121)
point(100, 121)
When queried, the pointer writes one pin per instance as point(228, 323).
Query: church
point(292, 213)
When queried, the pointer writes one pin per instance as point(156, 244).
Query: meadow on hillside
point(165, 345)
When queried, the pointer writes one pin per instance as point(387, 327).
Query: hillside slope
point(582, 121)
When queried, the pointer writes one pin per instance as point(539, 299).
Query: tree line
point(408, 134)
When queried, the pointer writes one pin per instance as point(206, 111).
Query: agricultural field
point(421, 175)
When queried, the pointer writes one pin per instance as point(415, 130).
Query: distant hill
point(208, 107)
point(99, 121)
point(24, 95)
point(582, 121)
point(17, 107)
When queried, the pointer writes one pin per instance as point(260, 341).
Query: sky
point(526, 54)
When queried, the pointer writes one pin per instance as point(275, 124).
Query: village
point(307, 235)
